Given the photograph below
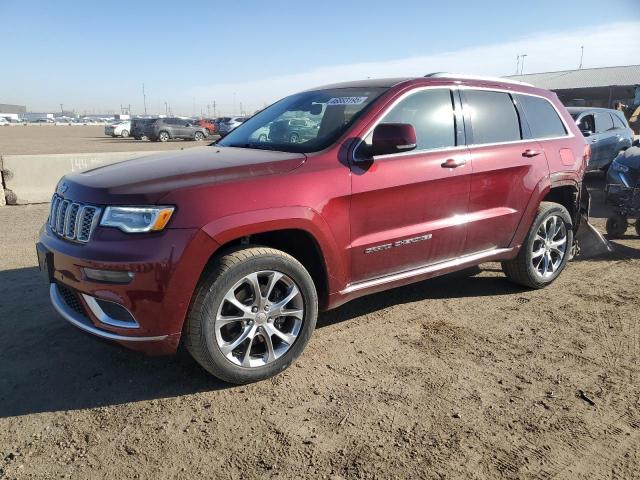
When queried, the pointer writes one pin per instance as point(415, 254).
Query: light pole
point(517, 64)
point(581, 56)
point(144, 99)
point(522, 64)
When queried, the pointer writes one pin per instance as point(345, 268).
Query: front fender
point(232, 227)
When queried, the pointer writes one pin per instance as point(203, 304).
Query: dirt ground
point(44, 139)
point(466, 376)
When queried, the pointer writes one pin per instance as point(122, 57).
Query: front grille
point(70, 297)
point(72, 220)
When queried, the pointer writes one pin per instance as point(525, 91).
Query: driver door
point(406, 208)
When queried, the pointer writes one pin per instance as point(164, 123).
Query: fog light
point(109, 276)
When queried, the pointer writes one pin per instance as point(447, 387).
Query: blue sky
point(92, 57)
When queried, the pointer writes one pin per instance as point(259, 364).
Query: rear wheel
point(198, 136)
point(617, 225)
point(124, 134)
point(163, 136)
point(545, 251)
point(252, 316)
point(294, 138)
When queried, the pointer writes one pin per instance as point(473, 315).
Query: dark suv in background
point(165, 129)
point(607, 132)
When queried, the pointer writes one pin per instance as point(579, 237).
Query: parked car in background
point(607, 132)
point(232, 249)
point(4, 121)
point(229, 123)
point(209, 124)
point(120, 129)
point(165, 129)
point(294, 130)
point(625, 169)
point(138, 127)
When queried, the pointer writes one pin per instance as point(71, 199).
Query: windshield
point(304, 122)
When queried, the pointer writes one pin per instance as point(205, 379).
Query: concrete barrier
point(32, 178)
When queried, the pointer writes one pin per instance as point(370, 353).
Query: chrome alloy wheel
point(549, 246)
point(259, 319)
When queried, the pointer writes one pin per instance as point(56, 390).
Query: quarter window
point(431, 114)
point(617, 123)
point(542, 118)
point(493, 117)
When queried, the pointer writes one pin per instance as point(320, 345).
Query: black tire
point(637, 226)
point(294, 138)
point(199, 334)
point(198, 136)
point(124, 133)
point(617, 225)
point(163, 136)
point(521, 270)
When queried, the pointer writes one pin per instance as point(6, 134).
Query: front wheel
point(124, 134)
point(198, 136)
point(252, 316)
point(546, 249)
point(163, 136)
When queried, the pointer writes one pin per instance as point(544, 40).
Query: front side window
point(603, 122)
point(431, 114)
point(587, 124)
point(543, 119)
point(493, 117)
point(305, 122)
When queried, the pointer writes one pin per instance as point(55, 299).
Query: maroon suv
point(233, 248)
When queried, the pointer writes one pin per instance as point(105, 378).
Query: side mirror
point(586, 133)
point(636, 143)
point(393, 138)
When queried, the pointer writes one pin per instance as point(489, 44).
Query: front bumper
point(166, 267)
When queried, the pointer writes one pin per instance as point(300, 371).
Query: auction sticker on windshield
point(347, 100)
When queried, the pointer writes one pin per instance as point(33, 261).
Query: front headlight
point(137, 219)
point(618, 167)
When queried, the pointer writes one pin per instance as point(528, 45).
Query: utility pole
point(234, 104)
point(241, 112)
point(581, 56)
point(166, 108)
point(522, 63)
point(214, 109)
point(144, 99)
point(517, 64)
point(61, 109)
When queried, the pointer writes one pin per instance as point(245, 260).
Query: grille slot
point(72, 220)
point(70, 297)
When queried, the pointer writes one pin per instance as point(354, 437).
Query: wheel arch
point(298, 231)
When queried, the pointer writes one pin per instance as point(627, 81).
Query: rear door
point(506, 167)
point(405, 207)
point(607, 138)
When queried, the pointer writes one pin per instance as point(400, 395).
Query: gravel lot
point(43, 139)
point(467, 376)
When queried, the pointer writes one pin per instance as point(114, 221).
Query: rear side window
point(603, 122)
point(493, 117)
point(543, 119)
point(431, 114)
point(617, 121)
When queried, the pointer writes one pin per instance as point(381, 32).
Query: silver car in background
point(229, 123)
point(119, 129)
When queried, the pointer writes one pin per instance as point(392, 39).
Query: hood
point(630, 158)
point(146, 179)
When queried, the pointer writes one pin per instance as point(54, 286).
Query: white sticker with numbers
point(347, 101)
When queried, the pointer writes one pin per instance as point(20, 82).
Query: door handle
point(531, 153)
point(593, 140)
point(453, 163)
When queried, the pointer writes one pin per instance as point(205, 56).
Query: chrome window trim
point(470, 146)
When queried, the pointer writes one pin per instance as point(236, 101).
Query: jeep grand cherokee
point(233, 248)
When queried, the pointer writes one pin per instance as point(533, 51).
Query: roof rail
point(462, 76)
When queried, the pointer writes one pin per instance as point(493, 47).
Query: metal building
point(590, 87)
